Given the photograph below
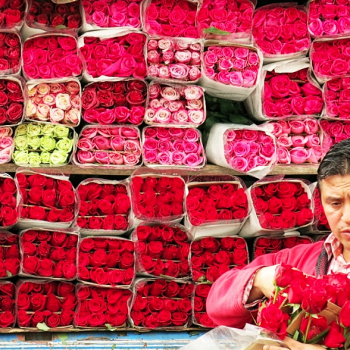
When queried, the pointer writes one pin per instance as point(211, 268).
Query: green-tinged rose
point(33, 129)
point(45, 157)
point(20, 157)
point(58, 157)
point(65, 145)
point(21, 129)
point(61, 131)
point(21, 142)
point(34, 158)
point(48, 129)
point(48, 143)
point(34, 142)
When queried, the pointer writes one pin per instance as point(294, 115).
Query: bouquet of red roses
point(12, 14)
point(199, 312)
point(334, 132)
point(47, 200)
point(10, 47)
point(212, 257)
point(104, 207)
point(106, 261)
point(7, 304)
point(9, 255)
point(101, 308)
point(162, 250)
point(9, 201)
point(43, 304)
point(50, 254)
point(267, 245)
point(161, 304)
point(320, 223)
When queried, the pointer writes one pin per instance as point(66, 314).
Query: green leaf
point(226, 107)
point(8, 273)
point(113, 346)
point(213, 30)
point(61, 26)
point(347, 343)
point(110, 328)
point(43, 327)
point(296, 307)
point(296, 335)
point(63, 337)
point(239, 119)
point(318, 337)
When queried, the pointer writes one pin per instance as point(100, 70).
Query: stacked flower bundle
point(337, 98)
point(8, 202)
point(334, 132)
point(9, 255)
point(12, 13)
point(7, 145)
point(200, 315)
point(7, 304)
point(10, 48)
point(320, 220)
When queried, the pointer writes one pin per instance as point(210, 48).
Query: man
point(237, 293)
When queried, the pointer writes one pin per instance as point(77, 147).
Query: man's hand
point(293, 345)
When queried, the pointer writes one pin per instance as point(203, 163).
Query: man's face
point(335, 195)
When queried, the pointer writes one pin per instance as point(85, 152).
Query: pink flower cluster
point(327, 19)
point(10, 53)
point(287, 94)
point(181, 105)
point(232, 17)
point(281, 30)
point(173, 146)
point(109, 13)
point(12, 13)
point(247, 149)
point(229, 65)
point(55, 102)
point(171, 18)
point(337, 97)
point(6, 144)
point(170, 59)
point(11, 101)
point(113, 146)
point(51, 56)
point(298, 141)
point(334, 132)
point(121, 56)
point(115, 102)
point(330, 58)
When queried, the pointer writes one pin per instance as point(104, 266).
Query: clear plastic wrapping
point(9, 255)
point(7, 304)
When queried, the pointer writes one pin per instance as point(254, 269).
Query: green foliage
point(213, 30)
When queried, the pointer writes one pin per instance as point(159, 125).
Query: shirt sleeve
point(253, 305)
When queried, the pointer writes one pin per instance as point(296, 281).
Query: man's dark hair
point(336, 161)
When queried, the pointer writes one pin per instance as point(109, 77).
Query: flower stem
point(345, 330)
point(277, 289)
point(307, 329)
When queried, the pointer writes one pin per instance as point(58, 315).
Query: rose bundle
point(10, 53)
point(211, 257)
point(46, 198)
point(51, 56)
point(114, 102)
point(7, 304)
point(49, 254)
point(104, 205)
point(6, 144)
point(172, 147)
point(8, 201)
point(226, 20)
point(114, 146)
point(320, 223)
point(9, 255)
point(157, 197)
point(106, 261)
point(158, 303)
point(58, 102)
point(176, 60)
point(162, 250)
point(37, 144)
point(110, 55)
point(46, 15)
point(280, 31)
point(199, 314)
point(170, 18)
point(337, 98)
point(41, 304)
point(298, 141)
point(175, 104)
point(101, 307)
point(12, 13)
point(109, 14)
point(264, 245)
point(334, 132)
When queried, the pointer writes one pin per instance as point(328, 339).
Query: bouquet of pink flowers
point(115, 102)
point(175, 105)
point(174, 60)
point(12, 13)
point(10, 53)
point(334, 132)
point(6, 144)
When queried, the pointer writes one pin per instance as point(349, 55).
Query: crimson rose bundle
point(105, 145)
point(7, 304)
point(9, 255)
point(6, 144)
point(175, 105)
point(41, 304)
point(10, 53)
point(320, 223)
point(162, 250)
point(101, 307)
point(212, 257)
point(176, 60)
point(51, 56)
point(267, 245)
point(108, 54)
point(298, 141)
point(104, 207)
point(58, 102)
point(199, 311)
point(12, 13)
point(115, 102)
point(159, 303)
point(179, 147)
point(46, 200)
point(106, 261)
point(9, 201)
point(170, 18)
point(49, 254)
point(157, 197)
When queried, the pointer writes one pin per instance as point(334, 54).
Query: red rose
point(202, 290)
point(31, 264)
point(304, 217)
point(314, 299)
point(37, 213)
point(334, 338)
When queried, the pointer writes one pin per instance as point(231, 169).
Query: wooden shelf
point(304, 169)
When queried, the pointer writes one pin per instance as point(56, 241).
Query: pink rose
point(315, 154)
point(297, 127)
point(299, 141)
point(299, 155)
point(311, 126)
point(193, 160)
point(85, 157)
point(101, 157)
point(283, 156)
point(238, 163)
point(115, 158)
point(316, 27)
point(179, 71)
point(284, 141)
